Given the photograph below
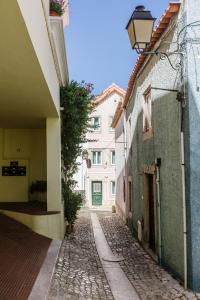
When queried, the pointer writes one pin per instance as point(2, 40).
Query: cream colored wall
point(59, 49)
point(53, 137)
point(120, 167)
point(46, 6)
point(31, 147)
point(48, 225)
point(28, 147)
point(33, 12)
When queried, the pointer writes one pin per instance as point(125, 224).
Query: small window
point(147, 111)
point(110, 123)
point(96, 123)
point(113, 188)
point(112, 157)
point(96, 157)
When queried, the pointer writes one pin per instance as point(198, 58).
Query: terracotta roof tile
point(113, 88)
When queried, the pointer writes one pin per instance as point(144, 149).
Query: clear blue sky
point(97, 43)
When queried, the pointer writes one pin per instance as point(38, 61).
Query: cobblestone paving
point(79, 274)
point(149, 279)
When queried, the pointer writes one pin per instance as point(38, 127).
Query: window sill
point(95, 131)
point(147, 135)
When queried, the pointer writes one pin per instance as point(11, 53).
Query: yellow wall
point(34, 18)
point(51, 226)
point(28, 147)
point(53, 164)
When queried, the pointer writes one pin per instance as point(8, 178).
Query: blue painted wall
point(164, 144)
point(192, 143)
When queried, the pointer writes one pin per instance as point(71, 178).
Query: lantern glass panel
point(131, 34)
point(143, 32)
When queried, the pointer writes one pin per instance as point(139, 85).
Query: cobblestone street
point(79, 273)
point(148, 278)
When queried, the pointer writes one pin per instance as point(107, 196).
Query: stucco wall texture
point(120, 167)
point(192, 142)
point(164, 144)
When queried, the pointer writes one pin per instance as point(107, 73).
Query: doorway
point(150, 215)
point(97, 193)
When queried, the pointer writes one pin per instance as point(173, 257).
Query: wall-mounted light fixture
point(85, 154)
point(140, 28)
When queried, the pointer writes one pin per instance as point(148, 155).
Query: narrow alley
point(79, 273)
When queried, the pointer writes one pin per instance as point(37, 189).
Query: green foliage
point(72, 202)
point(76, 102)
point(58, 6)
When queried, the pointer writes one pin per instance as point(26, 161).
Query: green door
point(97, 193)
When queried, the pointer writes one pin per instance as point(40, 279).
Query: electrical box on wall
point(14, 169)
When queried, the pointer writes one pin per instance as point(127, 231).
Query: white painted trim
point(101, 158)
point(111, 156)
point(100, 173)
point(111, 181)
point(59, 49)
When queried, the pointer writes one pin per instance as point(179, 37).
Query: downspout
point(182, 106)
point(125, 160)
point(184, 209)
point(158, 164)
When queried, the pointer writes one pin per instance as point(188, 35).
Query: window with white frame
point(96, 123)
point(96, 157)
point(112, 188)
point(110, 123)
point(112, 157)
point(147, 111)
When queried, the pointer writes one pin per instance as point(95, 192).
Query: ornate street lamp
point(140, 28)
point(85, 156)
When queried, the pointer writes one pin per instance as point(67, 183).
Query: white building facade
point(100, 178)
point(120, 149)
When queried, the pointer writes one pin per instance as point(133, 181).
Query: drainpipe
point(158, 164)
point(182, 106)
point(184, 209)
point(125, 161)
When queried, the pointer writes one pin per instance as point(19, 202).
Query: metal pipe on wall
point(182, 106)
point(184, 209)
point(158, 162)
